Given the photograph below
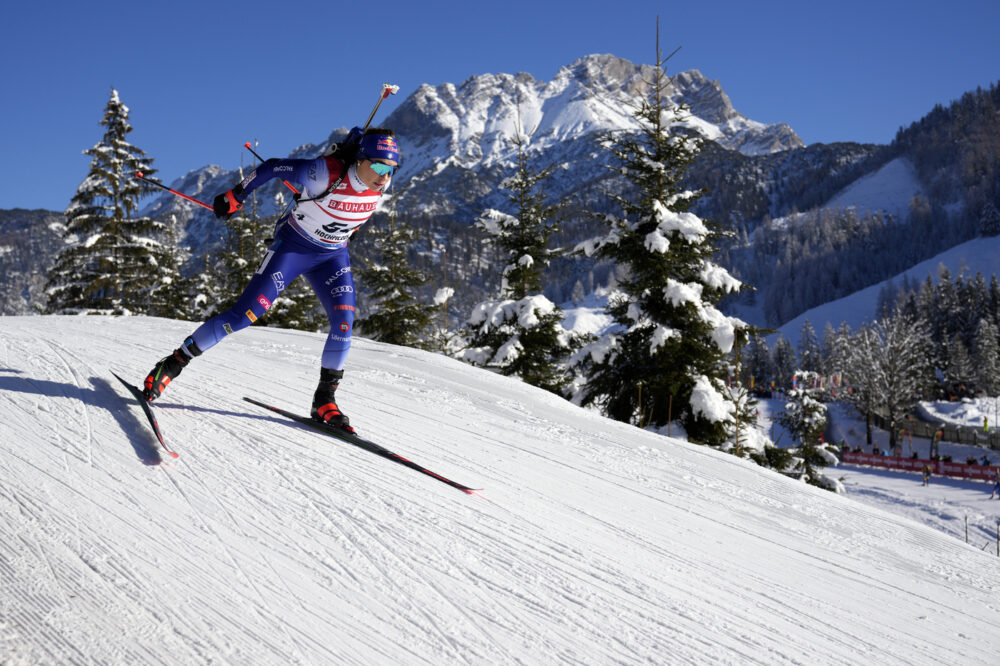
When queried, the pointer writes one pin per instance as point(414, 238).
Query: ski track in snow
point(269, 543)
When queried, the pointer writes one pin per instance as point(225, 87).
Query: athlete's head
point(378, 157)
point(379, 144)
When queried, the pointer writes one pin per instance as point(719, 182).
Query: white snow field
point(592, 542)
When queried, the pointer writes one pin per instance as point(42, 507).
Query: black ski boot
point(324, 406)
point(167, 369)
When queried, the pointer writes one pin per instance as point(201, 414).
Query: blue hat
point(379, 147)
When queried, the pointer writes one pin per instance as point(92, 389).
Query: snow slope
point(888, 189)
point(266, 543)
point(977, 255)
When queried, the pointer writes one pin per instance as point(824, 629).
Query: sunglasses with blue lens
point(382, 169)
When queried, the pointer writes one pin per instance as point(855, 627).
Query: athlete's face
point(368, 176)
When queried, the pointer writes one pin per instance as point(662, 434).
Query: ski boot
point(324, 408)
point(167, 369)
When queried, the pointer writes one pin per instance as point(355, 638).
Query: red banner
point(959, 470)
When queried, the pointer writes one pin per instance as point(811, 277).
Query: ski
point(360, 442)
point(137, 394)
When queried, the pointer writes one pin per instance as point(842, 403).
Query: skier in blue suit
point(337, 197)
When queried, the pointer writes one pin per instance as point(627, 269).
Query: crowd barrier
point(939, 467)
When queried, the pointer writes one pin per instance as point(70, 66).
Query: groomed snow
point(265, 543)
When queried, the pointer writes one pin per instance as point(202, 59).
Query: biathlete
point(337, 197)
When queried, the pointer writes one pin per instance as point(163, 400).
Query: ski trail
point(247, 579)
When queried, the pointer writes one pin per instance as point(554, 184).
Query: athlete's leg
point(334, 286)
point(282, 263)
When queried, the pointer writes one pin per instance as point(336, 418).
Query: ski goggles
point(381, 168)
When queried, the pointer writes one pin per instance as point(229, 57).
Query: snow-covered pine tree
point(783, 362)
point(394, 312)
point(805, 419)
point(986, 357)
point(810, 356)
point(859, 357)
point(521, 333)
point(669, 338)
point(902, 369)
point(171, 297)
point(989, 220)
point(758, 361)
point(958, 372)
point(112, 262)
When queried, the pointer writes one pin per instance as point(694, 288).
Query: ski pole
point(138, 174)
point(259, 159)
point(386, 91)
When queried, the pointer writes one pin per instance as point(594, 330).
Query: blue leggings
point(329, 273)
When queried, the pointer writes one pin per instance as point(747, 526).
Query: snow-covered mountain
point(471, 124)
point(456, 138)
point(592, 542)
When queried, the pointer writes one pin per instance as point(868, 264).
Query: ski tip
point(473, 491)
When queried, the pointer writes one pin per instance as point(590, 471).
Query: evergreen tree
point(172, 296)
point(396, 316)
point(859, 356)
point(805, 419)
point(903, 370)
point(783, 363)
point(958, 373)
point(986, 358)
point(989, 220)
point(669, 338)
point(828, 351)
point(809, 351)
point(112, 261)
point(521, 334)
point(758, 361)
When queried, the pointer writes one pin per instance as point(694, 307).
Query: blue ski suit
point(311, 240)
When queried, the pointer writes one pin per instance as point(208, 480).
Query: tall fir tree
point(805, 418)
point(113, 262)
point(858, 356)
point(783, 362)
point(670, 338)
point(172, 296)
point(810, 355)
point(521, 333)
point(989, 220)
point(987, 357)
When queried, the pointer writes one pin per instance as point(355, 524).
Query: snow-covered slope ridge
point(975, 256)
point(889, 189)
point(266, 543)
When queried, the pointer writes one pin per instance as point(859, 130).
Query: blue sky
point(201, 78)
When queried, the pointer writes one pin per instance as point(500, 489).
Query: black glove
point(228, 202)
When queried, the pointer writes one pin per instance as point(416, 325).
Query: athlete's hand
point(226, 204)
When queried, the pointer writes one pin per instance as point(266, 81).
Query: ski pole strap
point(234, 203)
